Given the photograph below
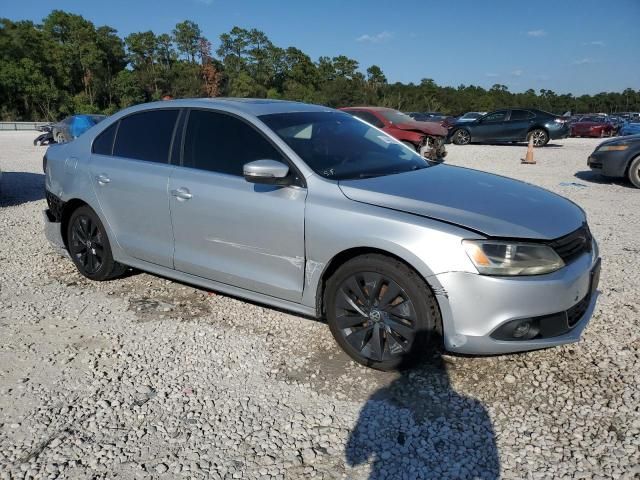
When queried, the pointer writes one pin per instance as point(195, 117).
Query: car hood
point(617, 140)
point(430, 128)
point(490, 204)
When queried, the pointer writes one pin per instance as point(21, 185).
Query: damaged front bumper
point(432, 148)
point(53, 232)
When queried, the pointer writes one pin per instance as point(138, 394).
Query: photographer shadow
point(418, 427)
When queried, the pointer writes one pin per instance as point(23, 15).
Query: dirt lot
point(147, 378)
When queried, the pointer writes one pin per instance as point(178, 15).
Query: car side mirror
point(268, 172)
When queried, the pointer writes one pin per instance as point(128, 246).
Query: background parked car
point(630, 128)
point(619, 157)
point(511, 125)
point(74, 126)
point(447, 121)
point(46, 137)
point(427, 138)
point(592, 126)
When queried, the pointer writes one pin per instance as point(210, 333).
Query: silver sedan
point(309, 209)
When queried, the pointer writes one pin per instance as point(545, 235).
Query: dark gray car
point(618, 158)
point(511, 125)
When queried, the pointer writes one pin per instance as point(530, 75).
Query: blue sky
point(568, 46)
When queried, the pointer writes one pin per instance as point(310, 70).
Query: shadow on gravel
point(595, 177)
point(419, 427)
point(17, 188)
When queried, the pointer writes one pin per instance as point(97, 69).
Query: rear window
point(103, 144)
point(146, 136)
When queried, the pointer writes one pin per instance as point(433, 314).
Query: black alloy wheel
point(89, 246)
point(380, 311)
point(539, 136)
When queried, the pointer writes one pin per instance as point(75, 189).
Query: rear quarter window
point(103, 144)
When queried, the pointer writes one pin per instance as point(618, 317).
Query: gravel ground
point(147, 378)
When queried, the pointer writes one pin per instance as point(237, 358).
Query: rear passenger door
point(227, 229)
point(130, 170)
point(518, 125)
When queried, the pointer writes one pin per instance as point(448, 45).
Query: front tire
point(634, 172)
point(381, 312)
point(89, 246)
point(461, 137)
point(540, 137)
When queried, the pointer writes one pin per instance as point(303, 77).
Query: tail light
point(44, 163)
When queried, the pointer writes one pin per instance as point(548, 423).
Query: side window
point(517, 115)
point(368, 117)
point(495, 116)
point(222, 143)
point(103, 144)
point(146, 135)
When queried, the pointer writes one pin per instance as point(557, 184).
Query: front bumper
point(475, 306)
point(609, 164)
point(53, 233)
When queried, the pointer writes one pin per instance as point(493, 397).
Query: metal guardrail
point(14, 126)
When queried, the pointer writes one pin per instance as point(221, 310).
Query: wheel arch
point(345, 255)
point(68, 209)
point(632, 158)
point(539, 127)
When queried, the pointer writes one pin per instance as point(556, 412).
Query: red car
point(592, 126)
point(426, 138)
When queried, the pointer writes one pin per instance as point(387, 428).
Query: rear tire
point(89, 246)
point(634, 172)
point(461, 137)
point(540, 137)
point(381, 312)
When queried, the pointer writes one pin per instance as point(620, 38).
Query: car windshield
point(340, 147)
point(395, 116)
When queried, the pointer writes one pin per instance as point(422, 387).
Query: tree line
point(67, 65)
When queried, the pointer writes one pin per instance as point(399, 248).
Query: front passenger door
point(227, 229)
point(491, 127)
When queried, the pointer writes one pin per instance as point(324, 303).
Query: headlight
point(493, 257)
point(613, 148)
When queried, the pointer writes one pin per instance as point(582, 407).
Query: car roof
point(250, 106)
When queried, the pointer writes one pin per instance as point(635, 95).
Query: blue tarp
point(80, 124)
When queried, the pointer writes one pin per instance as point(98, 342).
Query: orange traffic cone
point(528, 159)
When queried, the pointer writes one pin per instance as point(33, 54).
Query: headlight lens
point(613, 148)
point(493, 257)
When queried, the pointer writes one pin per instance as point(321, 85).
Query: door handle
point(102, 179)
point(181, 193)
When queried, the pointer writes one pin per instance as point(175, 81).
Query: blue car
point(630, 128)
point(74, 126)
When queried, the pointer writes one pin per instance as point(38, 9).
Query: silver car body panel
point(491, 204)
point(272, 244)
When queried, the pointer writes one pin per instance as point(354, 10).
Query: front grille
point(575, 313)
point(573, 245)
